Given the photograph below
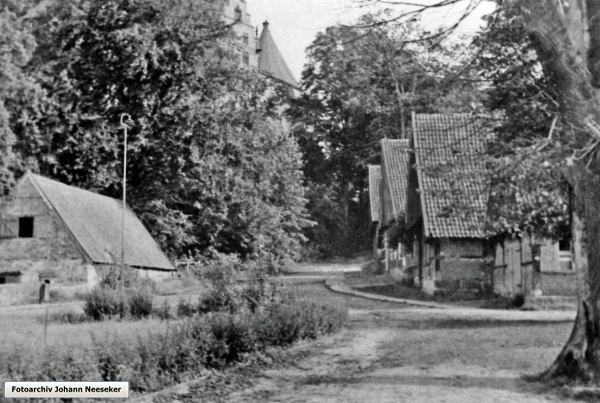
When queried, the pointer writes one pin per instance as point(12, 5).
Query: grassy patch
point(152, 355)
point(487, 301)
point(319, 292)
point(520, 347)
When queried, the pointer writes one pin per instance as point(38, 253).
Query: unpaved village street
point(407, 355)
point(390, 352)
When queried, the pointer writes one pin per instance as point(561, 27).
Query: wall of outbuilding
point(454, 260)
point(50, 253)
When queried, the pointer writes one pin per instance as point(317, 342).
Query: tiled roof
point(95, 222)
point(451, 173)
point(394, 156)
point(270, 60)
point(374, 180)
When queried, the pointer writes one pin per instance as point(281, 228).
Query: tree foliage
point(210, 165)
point(21, 97)
point(528, 191)
point(359, 86)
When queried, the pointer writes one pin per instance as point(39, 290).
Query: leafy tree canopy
point(528, 191)
point(360, 85)
point(210, 166)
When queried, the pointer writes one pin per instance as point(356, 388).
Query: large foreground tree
point(566, 38)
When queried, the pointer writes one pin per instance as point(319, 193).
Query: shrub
point(229, 300)
point(104, 303)
point(284, 323)
point(51, 365)
point(185, 350)
point(186, 308)
point(115, 359)
point(227, 294)
point(233, 337)
point(163, 311)
point(139, 302)
point(221, 275)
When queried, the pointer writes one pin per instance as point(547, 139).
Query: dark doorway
point(25, 227)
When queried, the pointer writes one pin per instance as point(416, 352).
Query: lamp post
point(125, 118)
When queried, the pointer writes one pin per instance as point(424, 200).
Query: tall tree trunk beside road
point(561, 36)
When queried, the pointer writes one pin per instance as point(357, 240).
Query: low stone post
point(45, 292)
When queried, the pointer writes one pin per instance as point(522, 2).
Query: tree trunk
point(569, 58)
point(346, 248)
point(579, 357)
point(403, 134)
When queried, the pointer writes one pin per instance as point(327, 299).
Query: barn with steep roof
point(49, 230)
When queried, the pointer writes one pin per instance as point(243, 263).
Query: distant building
point(394, 182)
point(256, 52)
point(234, 12)
point(375, 204)
point(447, 200)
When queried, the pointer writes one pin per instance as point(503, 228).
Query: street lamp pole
point(124, 118)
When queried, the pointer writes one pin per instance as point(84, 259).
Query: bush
point(139, 302)
point(228, 294)
point(185, 350)
point(284, 323)
point(163, 312)
point(51, 365)
point(115, 359)
point(234, 336)
point(104, 303)
point(186, 308)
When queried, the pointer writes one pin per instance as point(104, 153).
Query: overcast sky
point(294, 23)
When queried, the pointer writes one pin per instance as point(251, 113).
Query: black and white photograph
point(300, 201)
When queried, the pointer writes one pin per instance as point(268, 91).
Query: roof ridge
point(77, 188)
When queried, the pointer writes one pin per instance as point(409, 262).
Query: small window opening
point(246, 58)
point(2, 280)
point(25, 227)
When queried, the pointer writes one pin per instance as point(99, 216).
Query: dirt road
point(418, 356)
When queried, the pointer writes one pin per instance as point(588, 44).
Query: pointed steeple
point(270, 59)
